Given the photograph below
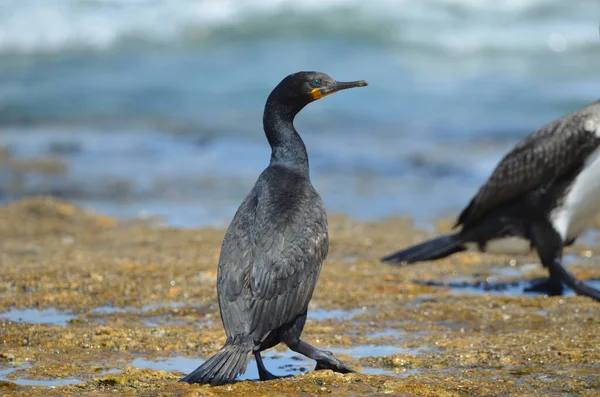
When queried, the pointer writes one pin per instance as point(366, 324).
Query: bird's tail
point(436, 248)
point(224, 366)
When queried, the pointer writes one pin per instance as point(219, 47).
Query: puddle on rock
point(133, 309)
point(282, 363)
point(388, 333)
point(157, 306)
point(337, 314)
point(278, 363)
point(5, 376)
point(34, 316)
point(493, 282)
point(111, 310)
point(45, 382)
point(511, 288)
point(153, 315)
point(362, 351)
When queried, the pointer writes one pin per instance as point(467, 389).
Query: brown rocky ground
point(135, 291)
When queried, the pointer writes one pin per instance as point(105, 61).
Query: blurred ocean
point(154, 107)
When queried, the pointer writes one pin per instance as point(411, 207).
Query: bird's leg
point(551, 286)
point(262, 371)
point(270, 341)
point(572, 282)
point(324, 359)
point(549, 245)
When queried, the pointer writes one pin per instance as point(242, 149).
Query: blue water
point(284, 363)
point(5, 373)
point(155, 106)
point(34, 316)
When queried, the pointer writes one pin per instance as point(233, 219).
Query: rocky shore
point(94, 306)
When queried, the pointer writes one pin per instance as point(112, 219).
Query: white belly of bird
point(582, 202)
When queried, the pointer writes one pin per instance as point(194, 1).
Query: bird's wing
point(537, 161)
point(235, 263)
point(287, 260)
point(269, 265)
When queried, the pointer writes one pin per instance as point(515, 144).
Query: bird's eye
point(316, 83)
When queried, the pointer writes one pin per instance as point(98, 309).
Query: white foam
point(47, 26)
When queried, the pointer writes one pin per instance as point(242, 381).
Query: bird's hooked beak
point(336, 86)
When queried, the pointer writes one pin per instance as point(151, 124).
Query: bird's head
point(300, 89)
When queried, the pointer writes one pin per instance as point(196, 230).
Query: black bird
point(542, 195)
point(274, 247)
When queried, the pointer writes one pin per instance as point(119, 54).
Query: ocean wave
point(454, 26)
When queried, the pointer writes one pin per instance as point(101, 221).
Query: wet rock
point(4, 385)
point(143, 292)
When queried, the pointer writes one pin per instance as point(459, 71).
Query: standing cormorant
point(543, 195)
point(274, 247)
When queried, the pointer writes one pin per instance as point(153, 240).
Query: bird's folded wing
point(544, 156)
point(287, 262)
point(235, 263)
point(269, 267)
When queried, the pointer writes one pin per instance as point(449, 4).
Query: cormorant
point(274, 247)
point(543, 195)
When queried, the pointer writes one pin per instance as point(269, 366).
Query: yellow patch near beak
point(316, 93)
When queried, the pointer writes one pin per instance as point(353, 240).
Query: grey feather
point(272, 254)
point(537, 161)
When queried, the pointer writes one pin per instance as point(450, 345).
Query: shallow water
point(508, 288)
point(146, 308)
point(337, 314)
point(34, 316)
point(279, 363)
point(151, 315)
point(5, 373)
point(388, 333)
point(46, 382)
point(56, 317)
point(165, 119)
point(374, 350)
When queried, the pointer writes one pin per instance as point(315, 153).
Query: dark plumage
point(542, 195)
point(274, 247)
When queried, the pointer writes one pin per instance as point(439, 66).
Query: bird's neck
point(287, 148)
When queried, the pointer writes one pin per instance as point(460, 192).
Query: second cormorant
point(274, 247)
point(543, 195)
